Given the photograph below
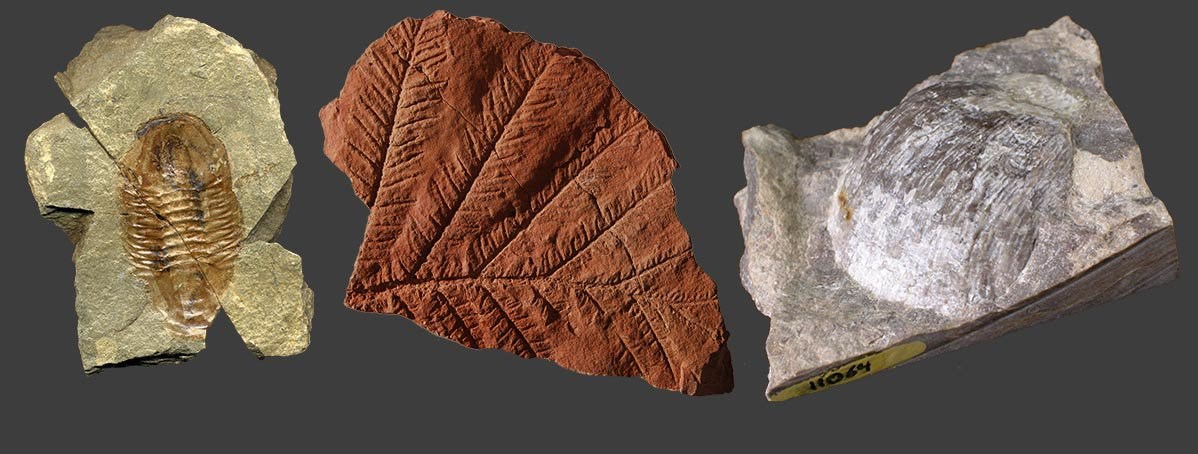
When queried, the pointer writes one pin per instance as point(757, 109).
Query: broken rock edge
point(84, 216)
point(935, 341)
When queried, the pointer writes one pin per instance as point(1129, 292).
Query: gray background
point(1118, 376)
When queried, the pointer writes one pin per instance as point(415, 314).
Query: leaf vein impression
point(461, 196)
point(482, 269)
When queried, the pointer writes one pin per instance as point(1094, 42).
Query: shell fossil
point(963, 176)
point(180, 219)
point(1004, 192)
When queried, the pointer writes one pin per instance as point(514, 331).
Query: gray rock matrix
point(1003, 192)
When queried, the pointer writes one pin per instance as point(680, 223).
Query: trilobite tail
point(187, 299)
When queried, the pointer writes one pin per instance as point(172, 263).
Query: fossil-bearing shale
point(173, 193)
point(519, 202)
point(1004, 192)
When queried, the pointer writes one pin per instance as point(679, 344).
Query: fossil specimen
point(172, 194)
point(519, 202)
point(180, 218)
point(1004, 192)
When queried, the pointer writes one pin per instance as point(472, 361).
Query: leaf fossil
point(519, 202)
point(180, 219)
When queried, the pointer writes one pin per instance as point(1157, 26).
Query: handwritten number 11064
point(838, 376)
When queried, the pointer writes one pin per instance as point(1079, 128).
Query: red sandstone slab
point(518, 201)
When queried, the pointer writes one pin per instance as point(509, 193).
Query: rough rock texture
point(519, 202)
point(156, 210)
point(1004, 192)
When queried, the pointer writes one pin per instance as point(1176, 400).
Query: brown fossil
point(180, 218)
point(519, 202)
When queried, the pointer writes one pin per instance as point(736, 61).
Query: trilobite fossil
point(180, 219)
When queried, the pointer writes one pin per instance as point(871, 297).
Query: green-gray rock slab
point(121, 79)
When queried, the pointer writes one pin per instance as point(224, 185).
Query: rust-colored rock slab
point(518, 201)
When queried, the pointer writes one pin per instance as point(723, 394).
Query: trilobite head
point(177, 143)
point(941, 208)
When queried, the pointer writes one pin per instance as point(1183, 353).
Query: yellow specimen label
point(862, 367)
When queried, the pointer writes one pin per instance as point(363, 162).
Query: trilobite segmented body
point(180, 218)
